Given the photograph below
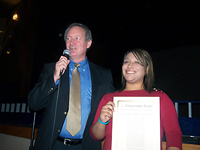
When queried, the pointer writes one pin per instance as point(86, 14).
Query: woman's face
point(132, 70)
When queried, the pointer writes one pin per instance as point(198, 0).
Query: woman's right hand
point(107, 112)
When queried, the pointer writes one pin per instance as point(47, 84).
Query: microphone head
point(66, 53)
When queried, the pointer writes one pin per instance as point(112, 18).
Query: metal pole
point(33, 130)
point(176, 106)
point(189, 109)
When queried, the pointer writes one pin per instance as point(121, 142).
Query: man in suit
point(95, 82)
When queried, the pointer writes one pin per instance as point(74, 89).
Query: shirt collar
point(82, 63)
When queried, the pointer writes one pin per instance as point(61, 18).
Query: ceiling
point(6, 5)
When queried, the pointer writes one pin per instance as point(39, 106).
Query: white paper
point(136, 123)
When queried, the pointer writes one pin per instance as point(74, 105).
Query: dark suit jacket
point(44, 95)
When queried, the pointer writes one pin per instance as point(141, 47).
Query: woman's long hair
point(146, 61)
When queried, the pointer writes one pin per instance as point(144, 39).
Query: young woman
point(137, 80)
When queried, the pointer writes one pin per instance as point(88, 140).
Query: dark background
point(169, 31)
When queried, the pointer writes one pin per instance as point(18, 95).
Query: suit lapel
point(64, 87)
point(95, 82)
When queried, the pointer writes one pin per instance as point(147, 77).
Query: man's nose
point(72, 41)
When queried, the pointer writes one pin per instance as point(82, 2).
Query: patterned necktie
point(74, 114)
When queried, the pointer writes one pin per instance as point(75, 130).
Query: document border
point(138, 101)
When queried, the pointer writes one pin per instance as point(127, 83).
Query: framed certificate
point(136, 123)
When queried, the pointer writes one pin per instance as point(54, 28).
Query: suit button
point(65, 113)
point(58, 131)
point(51, 89)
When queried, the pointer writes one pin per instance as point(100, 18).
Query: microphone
point(66, 53)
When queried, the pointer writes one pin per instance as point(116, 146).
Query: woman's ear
point(147, 70)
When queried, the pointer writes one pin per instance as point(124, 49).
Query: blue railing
point(189, 106)
point(190, 126)
point(19, 114)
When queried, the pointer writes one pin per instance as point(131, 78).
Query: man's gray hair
point(88, 34)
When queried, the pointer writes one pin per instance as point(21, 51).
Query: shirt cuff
point(57, 82)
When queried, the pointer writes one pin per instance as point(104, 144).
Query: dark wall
point(19, 39)
point(177, 72)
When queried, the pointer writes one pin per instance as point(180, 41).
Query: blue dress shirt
point(86, 93)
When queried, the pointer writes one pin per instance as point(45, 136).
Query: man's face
point(76, 43)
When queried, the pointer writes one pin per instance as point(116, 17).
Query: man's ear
point(89, 43)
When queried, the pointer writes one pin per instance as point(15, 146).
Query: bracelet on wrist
point(105, 123)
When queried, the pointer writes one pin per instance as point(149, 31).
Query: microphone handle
point(61, 71)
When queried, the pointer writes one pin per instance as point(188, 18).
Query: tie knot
point(77, 65)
